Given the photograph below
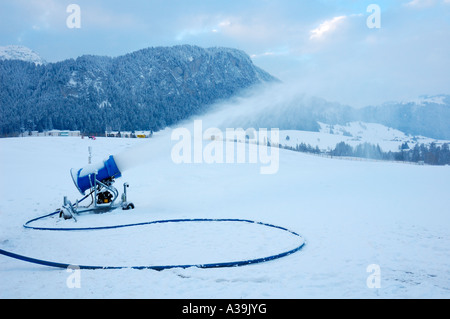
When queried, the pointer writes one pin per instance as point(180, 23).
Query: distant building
point(143, 134)
point(128, 134)
point(112, 134)
point(53, 133)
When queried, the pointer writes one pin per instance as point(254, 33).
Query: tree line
point(432, 154)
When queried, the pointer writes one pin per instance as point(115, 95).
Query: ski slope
point(351, 215)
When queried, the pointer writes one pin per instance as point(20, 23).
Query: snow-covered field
point(353, 134)
point(350, 214)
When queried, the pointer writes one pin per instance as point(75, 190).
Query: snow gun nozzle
point(87, 177)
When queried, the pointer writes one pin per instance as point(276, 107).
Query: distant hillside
point(426, 116)
point(354, 134)
point(144, 90)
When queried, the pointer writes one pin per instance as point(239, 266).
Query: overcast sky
point(325, 47)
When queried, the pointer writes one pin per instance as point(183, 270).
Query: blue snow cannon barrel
point(85, 178)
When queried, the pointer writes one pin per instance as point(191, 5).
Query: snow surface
point(351, 215)
point(355, 133)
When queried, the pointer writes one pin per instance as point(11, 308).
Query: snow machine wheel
point(129, 206)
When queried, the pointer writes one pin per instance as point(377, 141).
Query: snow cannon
point(86, 177)
point(96, 181)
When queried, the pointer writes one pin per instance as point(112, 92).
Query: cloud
point(421, 3)
point(326, 27)
point(268, 53)
point(98, 17)
point(42, 15)
point(324, 45)
point(256, 33)
point(188, 33)
point(257, 29)
point(199, 25)
point(272, 53)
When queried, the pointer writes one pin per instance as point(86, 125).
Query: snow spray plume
point(267, 106)
point(279, 105)
point(116, 164)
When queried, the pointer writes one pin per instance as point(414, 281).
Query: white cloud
point(325, 27)
point(184, 34)
point(225, 23)
point(421, 3)
point(269, 53)
point(42, 15)
point(253, 30)
point(199, 25)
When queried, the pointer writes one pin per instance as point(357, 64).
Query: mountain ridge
point(147, 89)
point(155, 87)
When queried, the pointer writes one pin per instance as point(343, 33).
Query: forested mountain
point(144, 90)
point(157, 87)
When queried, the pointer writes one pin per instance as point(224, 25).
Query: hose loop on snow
point(163, 267)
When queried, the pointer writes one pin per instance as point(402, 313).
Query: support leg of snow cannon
point(125, 204)
point(67, 210)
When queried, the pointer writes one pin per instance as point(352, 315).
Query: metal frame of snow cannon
point(101, 190)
